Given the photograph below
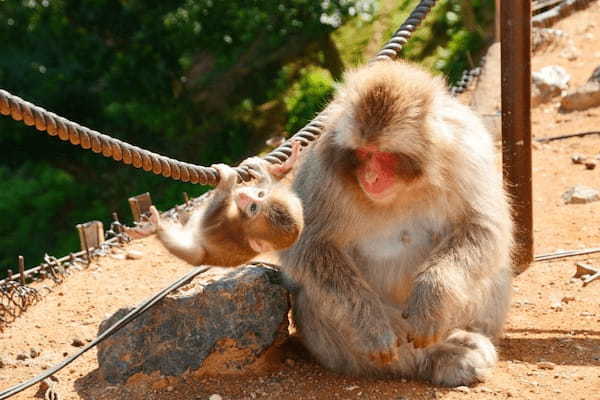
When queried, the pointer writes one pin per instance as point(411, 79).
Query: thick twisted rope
point(54, 125)
point(390, 51)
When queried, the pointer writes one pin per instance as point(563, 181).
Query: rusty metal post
point(497, 22)
point(515, 16)
point(22, 270)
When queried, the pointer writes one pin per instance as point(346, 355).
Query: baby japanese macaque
point(237, 221)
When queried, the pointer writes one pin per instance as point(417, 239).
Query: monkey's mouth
point(376, 185)
point(378, 191)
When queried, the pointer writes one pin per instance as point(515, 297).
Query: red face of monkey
point(376, 172)
point(380, 174)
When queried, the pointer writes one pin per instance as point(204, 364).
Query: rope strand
point(54, 125)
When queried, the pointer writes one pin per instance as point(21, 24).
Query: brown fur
point(220, 233)
point(417, 283)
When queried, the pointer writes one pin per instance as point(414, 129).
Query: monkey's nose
point(243, 200)
point(370, 176)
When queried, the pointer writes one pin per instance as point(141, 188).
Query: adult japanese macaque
point(237, 221)
point(404, 263)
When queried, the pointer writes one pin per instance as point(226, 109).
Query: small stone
point(33, 353)
point(22, 357)
point(2, 364)
point(484, 389)
point(590, 164)
point(580, 194)
point(170, 388)
point(578, 158)
point(586, 314)
point(290, 362)
point(215, 397)
point(463, 389)
point(349, 388)
point(77, 343)
point(567, 299)
point(584, 97)
point(549, 82)
point(571, 53)
point(558, 306)
point(134, 254)
point(546, 365)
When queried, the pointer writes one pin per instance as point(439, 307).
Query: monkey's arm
point(333, 286)
point(187, 241)
point(264, 172)
point(449, 282)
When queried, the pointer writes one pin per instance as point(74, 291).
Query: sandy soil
point(553, 318)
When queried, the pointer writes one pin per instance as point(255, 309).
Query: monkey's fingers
point(383, 358)
point(227, 175)
point(257, 167)
point(420, 342)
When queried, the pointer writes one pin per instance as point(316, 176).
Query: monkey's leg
point(341, 318)
point(184, 242)
point(462, 358)
point(466, 286)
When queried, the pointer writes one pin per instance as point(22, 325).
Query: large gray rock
point(584, 97)
point(226, 322)
point(547, 83)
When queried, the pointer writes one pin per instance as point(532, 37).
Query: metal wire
point(393, 47)
point(54, 125)
point(467, 78)
point(133, 314)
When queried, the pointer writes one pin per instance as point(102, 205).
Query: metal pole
point(22, 270)
point(515, 16)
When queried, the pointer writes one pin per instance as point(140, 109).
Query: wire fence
point(16, 293)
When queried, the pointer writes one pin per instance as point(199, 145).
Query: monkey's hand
point(424, 321)
point(227, 176)
point(378, 334)
point(258, 168)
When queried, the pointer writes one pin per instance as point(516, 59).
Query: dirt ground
point(551, 349)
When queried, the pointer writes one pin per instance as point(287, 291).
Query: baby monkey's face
point(250, 201)
point(270, 218)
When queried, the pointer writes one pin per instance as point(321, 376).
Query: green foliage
point(307, 97)
point(453, 36)
point(174, 77)
point(201, 81)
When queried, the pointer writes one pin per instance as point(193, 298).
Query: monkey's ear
point(261, 246)
point(279, 170)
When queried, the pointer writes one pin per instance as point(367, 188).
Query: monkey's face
point(382, 174)
point(270, 219)
point(249, 201)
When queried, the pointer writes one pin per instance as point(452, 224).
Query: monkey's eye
point(252, 209)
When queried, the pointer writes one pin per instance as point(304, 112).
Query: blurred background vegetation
point(202, 81)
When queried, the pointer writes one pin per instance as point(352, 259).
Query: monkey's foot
point(140, 231)
point(462, 359)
